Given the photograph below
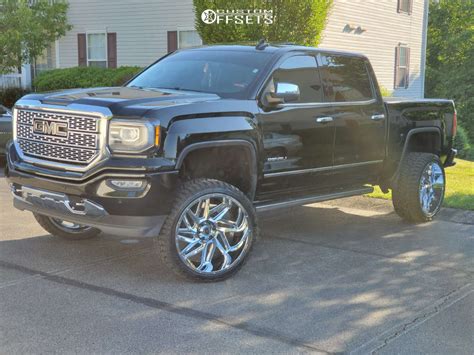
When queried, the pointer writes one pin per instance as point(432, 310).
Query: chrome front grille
point(79, 146)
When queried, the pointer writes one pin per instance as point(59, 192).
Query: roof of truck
point(273, 48)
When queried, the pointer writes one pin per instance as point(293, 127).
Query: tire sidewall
point(50, 227)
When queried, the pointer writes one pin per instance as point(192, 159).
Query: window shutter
point(399, 4)
point(112, 50)
point(81, 50)
point(172, 41)
point(407, 71)
point(410, 7)
point(397, 66)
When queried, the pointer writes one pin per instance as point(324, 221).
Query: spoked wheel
point(65, 229)
point(431, 189)
point(210, 231)
point(419, 191)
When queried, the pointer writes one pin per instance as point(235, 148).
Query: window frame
point(106, 60)
point(365, 63)
point(318, 74)
point(185, 29)
point(406, 67)
point(408, 11)
point(262, 89)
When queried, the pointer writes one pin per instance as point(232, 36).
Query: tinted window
point(345, 78)
point(225, 73)
point(301, 70)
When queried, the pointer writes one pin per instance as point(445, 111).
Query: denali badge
point(50, 127)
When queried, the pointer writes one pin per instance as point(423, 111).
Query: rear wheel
point(64, 229)
point(419, 191)
point(209, 232)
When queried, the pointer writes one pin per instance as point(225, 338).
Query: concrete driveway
point(344, 276)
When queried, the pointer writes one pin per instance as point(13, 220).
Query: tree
point(27, 28)
point(450, 57)
point(295, 21)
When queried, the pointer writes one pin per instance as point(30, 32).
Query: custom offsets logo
point(239, 17)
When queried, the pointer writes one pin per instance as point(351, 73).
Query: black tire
point(53, 227)
point(187, 195)
point(406, 192)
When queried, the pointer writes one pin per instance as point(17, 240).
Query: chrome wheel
point(212, 234)
point(431, 189)
point(69, 227)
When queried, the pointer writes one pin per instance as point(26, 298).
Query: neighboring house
point(392, 33)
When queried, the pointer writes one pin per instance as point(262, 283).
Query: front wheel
point(209, 232)
point(64, 229)
point(419, 190)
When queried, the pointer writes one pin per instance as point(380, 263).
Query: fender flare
point(253, 170)
point(411, 133)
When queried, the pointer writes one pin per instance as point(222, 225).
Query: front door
point(298, 137)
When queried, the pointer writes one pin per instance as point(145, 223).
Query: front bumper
point(92, 202)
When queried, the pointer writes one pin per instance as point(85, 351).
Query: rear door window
point(344, 78)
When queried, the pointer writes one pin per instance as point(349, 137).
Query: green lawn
point(459, 186)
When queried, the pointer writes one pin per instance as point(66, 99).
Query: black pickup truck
point(192, 147)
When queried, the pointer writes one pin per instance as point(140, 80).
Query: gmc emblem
point(50, 127)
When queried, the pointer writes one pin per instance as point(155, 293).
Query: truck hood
point(122, 101)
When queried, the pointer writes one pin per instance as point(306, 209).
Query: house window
point(402, 67)
point(97, 50)
point(405, 6)
point(188, 38)
point(47, 60)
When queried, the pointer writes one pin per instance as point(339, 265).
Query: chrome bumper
point(84, 211)
point(57, 202)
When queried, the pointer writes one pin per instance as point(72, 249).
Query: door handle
point(324, 119)
point(378, 117)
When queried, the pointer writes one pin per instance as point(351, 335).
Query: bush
point(83, 77)
point(9, 96)
point(462, 144)
point(385, 92)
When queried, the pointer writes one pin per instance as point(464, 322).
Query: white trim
point(424, 41)
point(106, 47)
point(58, 63)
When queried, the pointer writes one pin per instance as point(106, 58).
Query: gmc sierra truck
point(190, 149)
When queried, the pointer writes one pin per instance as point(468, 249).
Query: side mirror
point(3, 110)
point(284, 92)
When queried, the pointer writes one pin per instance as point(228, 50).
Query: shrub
point(9, 96)
point(311, 18)
point(83, 77)
point(461, 143)
point(385, 92)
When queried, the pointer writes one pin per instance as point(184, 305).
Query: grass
point(459, 186)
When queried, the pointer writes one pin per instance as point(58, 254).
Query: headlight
point(131, 136)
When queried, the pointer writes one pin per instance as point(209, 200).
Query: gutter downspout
point(423, 46)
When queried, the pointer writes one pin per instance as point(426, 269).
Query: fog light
point(129, 185)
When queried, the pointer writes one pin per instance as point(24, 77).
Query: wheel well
point(232, 164)
point(424, 142)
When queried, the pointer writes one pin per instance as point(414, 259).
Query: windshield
point(228, 74)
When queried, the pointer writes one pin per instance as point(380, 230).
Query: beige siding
point(141, 27)
point(385, 29)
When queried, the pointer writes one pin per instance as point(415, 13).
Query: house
point(392, 33)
